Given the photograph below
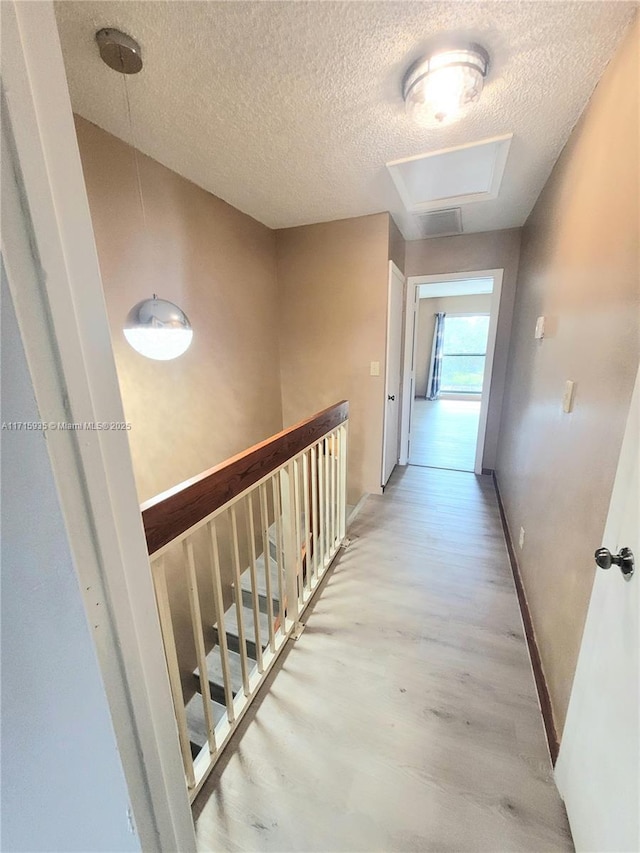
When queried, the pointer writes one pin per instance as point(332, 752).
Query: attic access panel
point(452, 176)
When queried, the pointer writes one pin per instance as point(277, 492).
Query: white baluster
point(238, 596)
point(332, 457)
point(306, 503)
point(198, 639)
point(264, 526)
point(336, 446)
point(298, 528)
point(255, 602)
point(322, 517)
point(343, 479)
point(289, 543)
point(314, 511)
point(278, 514)
point(218, 602)
point(171, 655)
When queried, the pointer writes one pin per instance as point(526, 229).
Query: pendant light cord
point(132, 137)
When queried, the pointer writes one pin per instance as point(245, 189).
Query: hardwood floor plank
point(405, 717)
point(444, 433)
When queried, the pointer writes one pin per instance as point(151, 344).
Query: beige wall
point(466, 253)
point(223, 394)
point(479, 303)
point(218, 264)
point(333, 281)
point(397, 245)
point(579, 268)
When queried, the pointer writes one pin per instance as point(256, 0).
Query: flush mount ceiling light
point(158, 329)
point(438, 87)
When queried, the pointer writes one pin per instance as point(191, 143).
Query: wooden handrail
point(169, 514)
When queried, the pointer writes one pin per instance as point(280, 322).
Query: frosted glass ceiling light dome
point(438, 87)
point(158, 329)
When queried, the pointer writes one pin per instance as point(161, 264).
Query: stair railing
point(290, 491)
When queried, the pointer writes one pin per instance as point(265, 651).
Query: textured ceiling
point(290, 110)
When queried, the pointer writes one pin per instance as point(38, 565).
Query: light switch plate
point(567, 397)
point(539, 333)
point(375, 368)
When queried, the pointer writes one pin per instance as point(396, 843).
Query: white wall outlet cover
point(375, 368)
point(521, 538)
point(567, 397)
point(539, 333)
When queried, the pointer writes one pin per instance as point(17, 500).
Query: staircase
point(194, 710)
point(290, 490)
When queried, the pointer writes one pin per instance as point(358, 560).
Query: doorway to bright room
point(454, 324)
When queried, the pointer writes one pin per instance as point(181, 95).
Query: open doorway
point(450, 361)
point(451, 323)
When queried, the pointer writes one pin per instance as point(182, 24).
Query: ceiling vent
point(441, 223)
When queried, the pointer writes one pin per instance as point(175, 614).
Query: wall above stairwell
point(223, 394)
point(466, 253)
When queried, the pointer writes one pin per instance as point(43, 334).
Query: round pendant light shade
point(438, 87)
point(158, 329)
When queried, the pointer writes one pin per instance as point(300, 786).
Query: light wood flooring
point(444, 433)
point(405, 717)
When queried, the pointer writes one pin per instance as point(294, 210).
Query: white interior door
point(408, 380)
point(395, 322)
point(598, 767)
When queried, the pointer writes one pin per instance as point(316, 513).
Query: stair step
point(245, 583)
point(214, 673)
point(247, 600)
point(196, 724)
point(231, 630)
point(273, 566)
point(194, 709)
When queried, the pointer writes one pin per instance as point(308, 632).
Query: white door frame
point(410, 341)
point(394, 269)
point(49, 252)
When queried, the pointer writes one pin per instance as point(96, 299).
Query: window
point(464, 350)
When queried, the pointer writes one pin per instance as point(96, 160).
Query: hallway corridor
point(405, 717)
